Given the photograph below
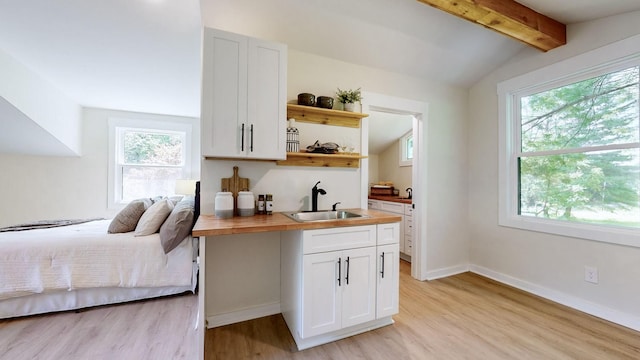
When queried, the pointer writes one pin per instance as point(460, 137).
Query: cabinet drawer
point(397, 208)
point(388, 233)
point(408, 209)
point(373, 204)
point(323, 240)
point(408, 225)
point(408, 245)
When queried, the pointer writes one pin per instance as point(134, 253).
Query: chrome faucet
point(410, 191)
point(314, 196)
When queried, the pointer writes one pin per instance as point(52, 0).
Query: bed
point(82, 265)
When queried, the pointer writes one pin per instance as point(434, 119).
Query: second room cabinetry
point(406, 226)
point(243, 97)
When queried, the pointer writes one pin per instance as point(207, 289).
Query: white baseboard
point(444, 272)
point(603, 312)
point(243, 315)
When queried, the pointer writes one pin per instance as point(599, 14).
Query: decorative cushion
point(178, 225)
point(153, 218)
point(127, 219)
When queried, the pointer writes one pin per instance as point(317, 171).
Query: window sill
point(601, 233)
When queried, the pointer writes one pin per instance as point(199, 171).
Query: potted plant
point(348, 98)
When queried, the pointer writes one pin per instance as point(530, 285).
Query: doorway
point(379, 103)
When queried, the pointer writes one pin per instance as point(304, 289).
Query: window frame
point(610, 58)
point(404, 160)
point(118, 126)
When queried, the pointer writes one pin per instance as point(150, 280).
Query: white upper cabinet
point(243, 97)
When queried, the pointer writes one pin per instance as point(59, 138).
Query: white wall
point(552, 266)
point(390, 169)
point(45, 187)
point(374, 168)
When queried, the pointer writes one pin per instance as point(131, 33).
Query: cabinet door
point(358, 286)
point(224, 93)
point(321, 283)
point(387, 279)
point(267, 116)
point(408, 245)
point(243, 97)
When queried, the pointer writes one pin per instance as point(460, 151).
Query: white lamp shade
point(185, 187)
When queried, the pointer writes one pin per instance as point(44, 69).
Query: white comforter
point(85, 256)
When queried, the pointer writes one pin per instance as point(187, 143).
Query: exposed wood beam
point(509, 18)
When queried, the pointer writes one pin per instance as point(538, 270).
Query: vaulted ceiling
point(144, 55)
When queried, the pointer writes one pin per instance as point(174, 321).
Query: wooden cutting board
point(235, 183)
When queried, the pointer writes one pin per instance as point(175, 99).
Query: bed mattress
point(84, 256)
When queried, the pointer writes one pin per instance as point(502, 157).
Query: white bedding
point(84, 256)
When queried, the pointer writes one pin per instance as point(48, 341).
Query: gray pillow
point(153, 218)
point(178, 225)
point(127, 219)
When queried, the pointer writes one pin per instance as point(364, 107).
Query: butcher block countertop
point(392, 198)
point(209, 225)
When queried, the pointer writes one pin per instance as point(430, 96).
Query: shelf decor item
point(325, 102)
point(348, 98)
point(306, 99)
point(293, 142)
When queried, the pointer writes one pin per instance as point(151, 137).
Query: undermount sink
point(306, 216)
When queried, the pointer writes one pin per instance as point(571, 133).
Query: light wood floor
point(155, 329)
point(461, 317)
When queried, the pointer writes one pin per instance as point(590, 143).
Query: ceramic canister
point(246, 203)
point(224, 205)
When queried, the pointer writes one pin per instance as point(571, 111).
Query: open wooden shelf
point(315, 115)
point(321, 160)
point(320, 116)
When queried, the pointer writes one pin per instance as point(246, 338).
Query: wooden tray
point(235, 184)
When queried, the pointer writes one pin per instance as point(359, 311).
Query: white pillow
point(153, 218)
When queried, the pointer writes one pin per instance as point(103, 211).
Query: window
point(571, 154)
point(147, 157)
point(406, 149)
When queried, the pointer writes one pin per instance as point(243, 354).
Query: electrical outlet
point(591, 274)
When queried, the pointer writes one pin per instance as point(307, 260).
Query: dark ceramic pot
point(325, 102)
point(306, 99)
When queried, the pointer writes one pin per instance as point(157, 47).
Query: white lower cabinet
point(388, 279)
point(340, 291)
point(339, 282)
